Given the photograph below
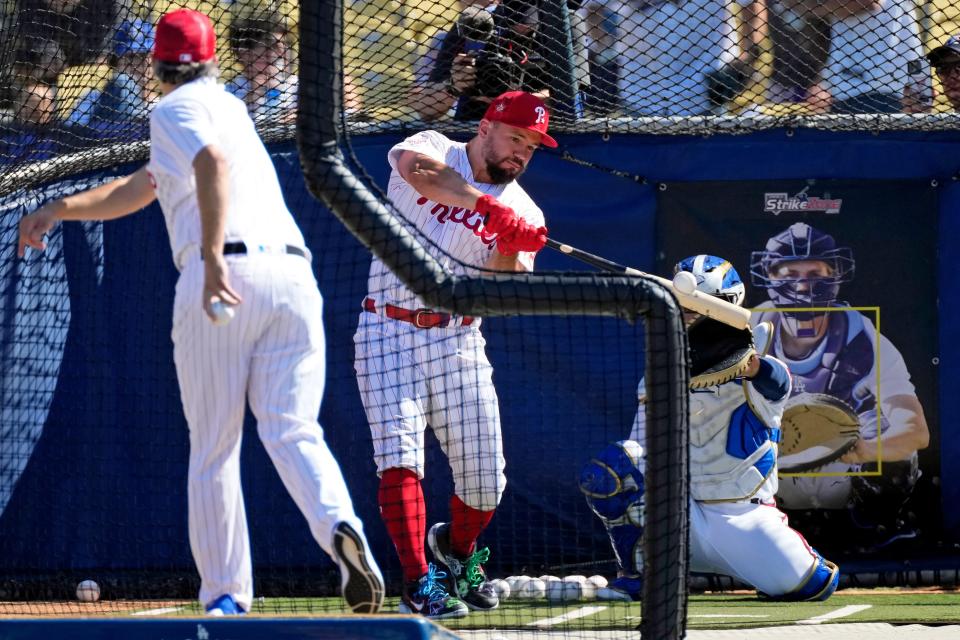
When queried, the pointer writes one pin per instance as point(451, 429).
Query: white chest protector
point(734, 432)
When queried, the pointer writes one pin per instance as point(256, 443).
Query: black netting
point(422, 371)
point(94, 440)
point(77, 84)
point(75, 95)
point(76, 75)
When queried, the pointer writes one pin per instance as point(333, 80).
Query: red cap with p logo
point(524, 111)
point(184, 36)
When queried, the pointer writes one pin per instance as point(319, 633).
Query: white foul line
point(156, 612)
point(842, 612)
point(728, 615)
point(573, 615)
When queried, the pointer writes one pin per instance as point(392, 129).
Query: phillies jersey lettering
point(454, 236)
point(467, 217)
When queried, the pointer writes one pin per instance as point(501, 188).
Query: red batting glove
point(498, 218)
point(504, 248)
point(526, 238)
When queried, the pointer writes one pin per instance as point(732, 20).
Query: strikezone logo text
point(777, 203)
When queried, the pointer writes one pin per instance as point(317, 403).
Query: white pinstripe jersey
point(193, 116)
point(458, 238)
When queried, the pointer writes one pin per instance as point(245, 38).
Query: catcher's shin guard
point(613, 486)
point(819, 585)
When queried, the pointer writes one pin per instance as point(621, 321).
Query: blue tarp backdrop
point(106, 449)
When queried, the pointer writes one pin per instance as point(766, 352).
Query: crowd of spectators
point(695, 57)
point(81, 70)
point(692, 58)
point(639, 58)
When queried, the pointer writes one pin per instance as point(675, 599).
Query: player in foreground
point(735, 527)
point(416, 366)
point(234, 243)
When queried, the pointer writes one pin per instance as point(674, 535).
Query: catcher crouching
point(737, 398)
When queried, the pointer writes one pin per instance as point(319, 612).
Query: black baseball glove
point(718, 352)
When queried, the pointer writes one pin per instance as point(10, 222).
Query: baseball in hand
point(222, 313)
point(685, 282)
point(88, 591)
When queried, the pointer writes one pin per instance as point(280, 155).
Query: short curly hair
point(174, 73)
point(247, 32)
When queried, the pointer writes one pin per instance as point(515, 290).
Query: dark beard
point(499, 175)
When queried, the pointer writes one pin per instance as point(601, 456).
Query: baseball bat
point(720, 310)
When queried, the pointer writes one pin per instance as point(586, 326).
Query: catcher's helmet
point(798, 242)
point(715, 276)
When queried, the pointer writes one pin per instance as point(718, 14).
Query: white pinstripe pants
point(272, 353)
point(409, 378)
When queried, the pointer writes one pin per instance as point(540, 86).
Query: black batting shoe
point(428, 598)
point(360, 579)
point(468, 581)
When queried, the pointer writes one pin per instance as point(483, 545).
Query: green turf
point(705, 611)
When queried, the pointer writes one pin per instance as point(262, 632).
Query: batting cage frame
point(330, 178)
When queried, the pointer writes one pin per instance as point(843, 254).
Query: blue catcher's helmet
point(801, 242)
point(715, 276)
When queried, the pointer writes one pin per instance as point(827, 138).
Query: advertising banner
point(845, 272)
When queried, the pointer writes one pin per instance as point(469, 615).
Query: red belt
point(420, 318)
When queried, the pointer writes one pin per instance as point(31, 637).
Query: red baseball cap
point(184, 36)
point(524, 111)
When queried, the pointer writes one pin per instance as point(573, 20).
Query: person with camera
point(490, 50)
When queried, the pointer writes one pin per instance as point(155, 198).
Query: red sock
point(405, 514)
point(466, 524)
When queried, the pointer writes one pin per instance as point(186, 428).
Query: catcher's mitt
point(718, 352)
point(817, 429)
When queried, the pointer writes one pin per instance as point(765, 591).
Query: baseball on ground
point(502, 587)
point(88, 591)
point(586, 589)
point(532, 589)
point(597, 581)
point(514, 583)
point(563, 591)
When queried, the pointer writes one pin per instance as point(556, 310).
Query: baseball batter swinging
point(234, 243)
point(416, 366)
point(735, 526)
